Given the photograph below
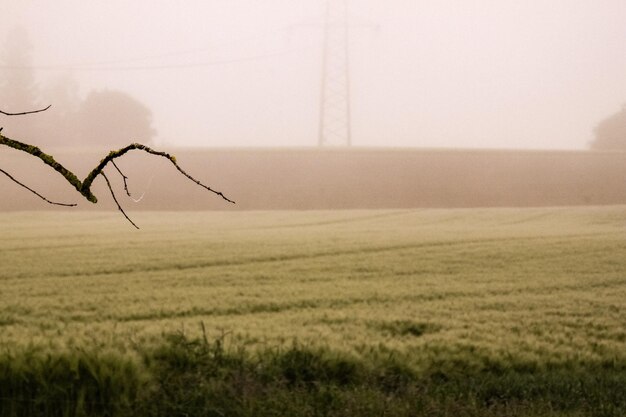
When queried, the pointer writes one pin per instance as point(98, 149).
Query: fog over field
point(348, 208)
point(424, 73)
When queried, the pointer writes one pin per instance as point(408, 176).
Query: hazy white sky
point(432, 73)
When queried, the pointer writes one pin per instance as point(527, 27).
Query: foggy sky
point(536, 74)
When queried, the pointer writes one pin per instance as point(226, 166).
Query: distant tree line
point(102, 119)
point(610, 134)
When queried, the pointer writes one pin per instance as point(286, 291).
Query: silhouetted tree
point(103, 119)
point(610, 134)
point(56, 127)
point(110, 117)
point(18, 89)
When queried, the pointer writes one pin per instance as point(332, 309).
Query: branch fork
point(84, 186)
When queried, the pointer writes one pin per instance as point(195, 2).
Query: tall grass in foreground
point(485, 312)
point(77, 383)
point(194, 377)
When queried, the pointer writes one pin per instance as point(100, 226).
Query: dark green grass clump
point(195, 377)
point(77, 383)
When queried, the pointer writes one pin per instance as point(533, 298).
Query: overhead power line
point(116, 65)
point(158, 66)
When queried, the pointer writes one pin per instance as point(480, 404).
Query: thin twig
point(116, 202)
point(200, 184)
point(35, 192)
point(25, 112)
point(124, 178)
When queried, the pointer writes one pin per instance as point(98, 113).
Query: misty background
point(246, 73)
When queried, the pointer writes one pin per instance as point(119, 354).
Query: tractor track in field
point(338, 303)
point(308, 256)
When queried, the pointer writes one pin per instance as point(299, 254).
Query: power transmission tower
point(334, 117)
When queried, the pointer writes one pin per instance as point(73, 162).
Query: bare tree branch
point(84, 187)
point(117, 202)
point(25, 112)
point(137, 146)
point(35, 192)
point(48, 160)
point(24, 185)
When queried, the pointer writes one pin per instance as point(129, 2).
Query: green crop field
point(407, 312)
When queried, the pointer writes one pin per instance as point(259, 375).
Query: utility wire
point(112, 64)
point(154, 67)
point(183, 52)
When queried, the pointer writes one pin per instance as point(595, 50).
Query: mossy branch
point(84, 187)
point(86, 184)
point(48, 160)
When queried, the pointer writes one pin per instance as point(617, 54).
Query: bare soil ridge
point(279, 179)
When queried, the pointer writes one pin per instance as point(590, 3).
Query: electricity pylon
point(334, 117)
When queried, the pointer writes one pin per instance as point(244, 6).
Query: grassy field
point(467, 312)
